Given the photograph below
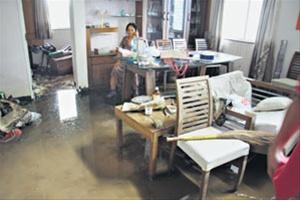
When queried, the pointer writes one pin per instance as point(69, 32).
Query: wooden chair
point(194, 117)
point(201, 44)
point(164, 44)
point(293, 74)
point(179, 44)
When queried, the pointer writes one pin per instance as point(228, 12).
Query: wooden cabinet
point(99, 70)
point(165, 19)
point(138, 17)
point(199, 20)
point(100, 66)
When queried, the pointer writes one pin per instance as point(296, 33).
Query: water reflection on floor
point(71, 154)
point(67, 104)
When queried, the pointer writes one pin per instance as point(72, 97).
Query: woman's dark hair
point(131, 24)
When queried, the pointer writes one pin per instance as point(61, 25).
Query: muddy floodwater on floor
point(72, 154)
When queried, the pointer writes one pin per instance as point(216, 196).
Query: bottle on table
point(156, 94)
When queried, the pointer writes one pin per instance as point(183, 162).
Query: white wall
point(113, 7)
point(242, 49)
point(15, 74)
point(78, 38)
point(285, 29)
point(60, 38)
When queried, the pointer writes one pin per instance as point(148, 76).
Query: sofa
point(246, 95)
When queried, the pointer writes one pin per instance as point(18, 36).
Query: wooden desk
point(144, 126)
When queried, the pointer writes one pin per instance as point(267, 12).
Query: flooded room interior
point(150, 99)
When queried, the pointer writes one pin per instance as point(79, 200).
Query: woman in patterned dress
point(126, 43)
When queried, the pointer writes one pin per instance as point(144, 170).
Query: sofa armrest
point(262, 90)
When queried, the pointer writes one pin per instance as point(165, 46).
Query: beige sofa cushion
point(273, 103)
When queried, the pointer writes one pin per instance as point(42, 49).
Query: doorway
point(50, 59)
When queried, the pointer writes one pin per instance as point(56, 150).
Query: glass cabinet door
point(176, 17)
point(155, 19)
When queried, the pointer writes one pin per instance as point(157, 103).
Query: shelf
point(154, 32)
point(103, 30)
point(149, 14)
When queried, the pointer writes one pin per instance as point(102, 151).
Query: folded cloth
point(156, 104)
point(8, 121)
point(13, 134)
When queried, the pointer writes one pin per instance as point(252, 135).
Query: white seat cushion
point(209, 154)
point(269, 121)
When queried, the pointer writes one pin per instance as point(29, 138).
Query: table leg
point(153, 156)
point(229, 66)
point(203, 70)
point(119, 134)
point(128, 80)
point(150, 82)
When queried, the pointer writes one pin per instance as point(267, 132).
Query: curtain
point(262, 59)
point(214, 34)
point(41, 18)
point(280, 59)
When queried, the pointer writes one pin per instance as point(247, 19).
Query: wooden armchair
point(194, 117)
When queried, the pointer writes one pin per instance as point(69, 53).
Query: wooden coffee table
point(144, 126)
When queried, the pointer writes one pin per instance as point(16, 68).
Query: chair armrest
point(247, 117)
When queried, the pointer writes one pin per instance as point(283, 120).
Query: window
point(59, 14)
point(241, 19)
